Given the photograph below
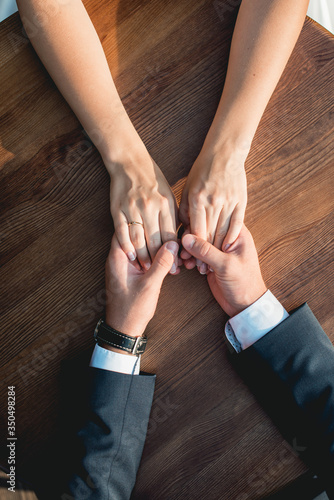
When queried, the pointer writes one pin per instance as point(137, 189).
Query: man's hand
point(236, 281)
point(132, 294)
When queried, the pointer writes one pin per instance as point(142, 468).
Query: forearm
point(294, 381)
point(113, 436)
point(68, 45)
point(264, 36)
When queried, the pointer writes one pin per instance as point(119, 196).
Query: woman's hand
point(214, 198)
point(140, 193)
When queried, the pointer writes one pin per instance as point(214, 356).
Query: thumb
point(164, 260)
point(203, 250)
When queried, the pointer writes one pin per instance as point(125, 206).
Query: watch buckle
point(137, 345)
point(96, 331)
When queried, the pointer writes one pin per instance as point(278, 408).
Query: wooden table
point(208, 437)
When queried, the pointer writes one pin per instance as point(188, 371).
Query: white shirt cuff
point(114, 361)
point(252, 323)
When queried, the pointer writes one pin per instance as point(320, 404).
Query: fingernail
point(131, 256)
point(198, 263)
point(172, 247)
point(226, 247)
point(202, 269)
point(147, 265)
point(211, 270)
point(173, 269)
point(188, 241)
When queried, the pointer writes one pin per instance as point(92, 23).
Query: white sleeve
point(114, 361)
point(252, 323)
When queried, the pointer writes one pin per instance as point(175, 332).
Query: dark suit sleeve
point(291, 370)
point(112, 439)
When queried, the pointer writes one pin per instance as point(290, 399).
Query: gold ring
point(135, 223)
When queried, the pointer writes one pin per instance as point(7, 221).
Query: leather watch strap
point(104, 334)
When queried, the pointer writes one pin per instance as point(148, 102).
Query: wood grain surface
point(207, 437)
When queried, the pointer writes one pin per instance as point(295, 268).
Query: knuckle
point(154, 246)
point(169, 236)
point(231, 198)
point(119, 227)
point(155, 240)
point(147, 204)
point(164, 203)
point(131, 203)
point(164, 261)
point(221, 232)
point(210, 236)
point(209, 195)
point(197, 198)
point(136, 240)
point(204, 248)
point(238, 221)
point(215, 200)
point(126, 247)
point(142, 204)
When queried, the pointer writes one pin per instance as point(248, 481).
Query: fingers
point(190, 263)
point(117, 265)
point(198, 221)
point(168, 226)
point(153, 236)
point(198, 227)
point(137, 236)
point(143, 240)
point(188, 260)
point(164, 260)
point(185, 255)
point(212, 218)
point(123, 236)
point(203, 250)
point(132, 237)
point(236, 223)
point(185, 220)
point(194, 217)
point(222, 228)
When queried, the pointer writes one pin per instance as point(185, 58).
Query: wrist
point(227, 136)
point(116, 138)
point(129, 154)
point(123, 147)
point(221, 147)
point(117, 336)
point(247, 300)
point(255, 321)
point(125, 325)
point(114, 349)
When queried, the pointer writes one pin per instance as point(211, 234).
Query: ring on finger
point(135, 223)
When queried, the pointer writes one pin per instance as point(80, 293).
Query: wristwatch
point(104, 334)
